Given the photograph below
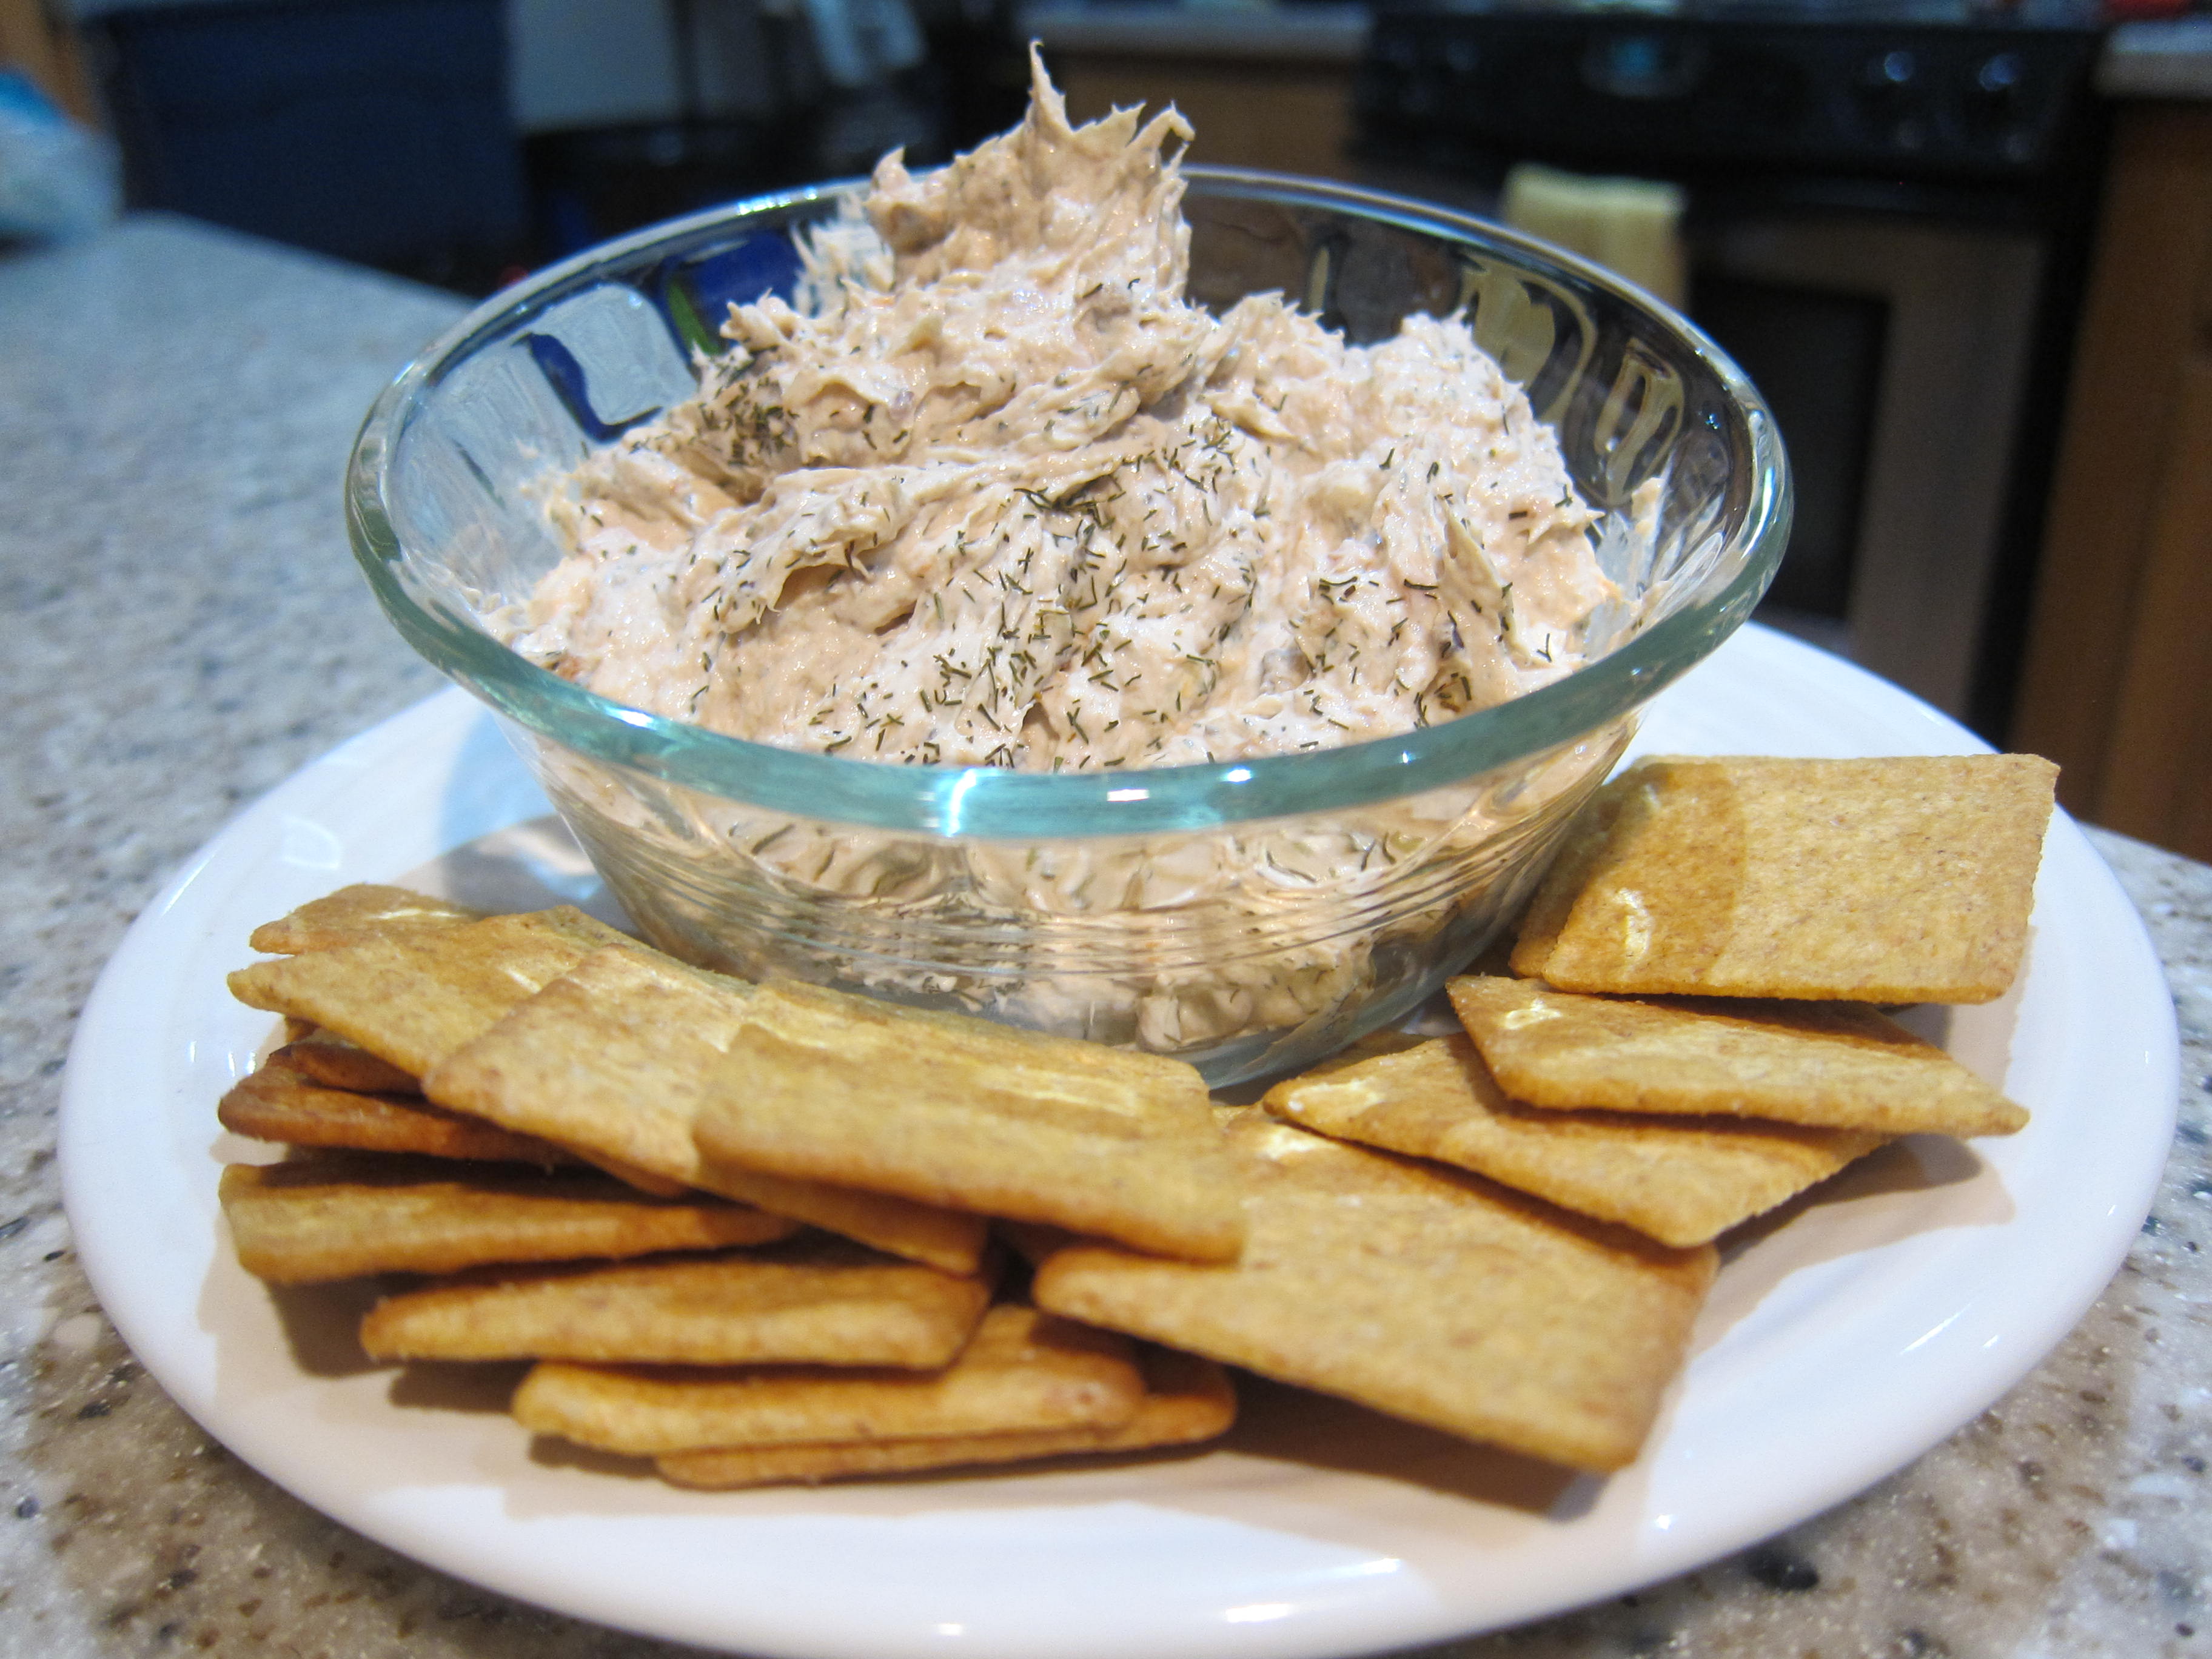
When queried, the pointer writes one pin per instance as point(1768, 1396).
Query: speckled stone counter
point(183, 629)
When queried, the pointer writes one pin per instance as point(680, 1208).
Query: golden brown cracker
point(1361, 1049)
point(1187, 1400)
point(816, 1301)
point(1682, 1180)
point(1421, 1291)
point(1565, 876)
point(1022, 1370)
point(414, 997)
point(277, 1103)
point(950, 1110)
point(364, 910)
point(1032, 1241)
point(335, 1217)
point(816, 1014)
point(324, 1058)
point(630, 1176)
point(1908, 879)
point(614, 1059)
point(1832, 1065)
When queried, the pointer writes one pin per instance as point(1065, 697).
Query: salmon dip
point(990, 490)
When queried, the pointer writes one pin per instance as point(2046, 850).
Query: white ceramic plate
point(1842, 1340)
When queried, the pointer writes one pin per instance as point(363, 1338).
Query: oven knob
point(2000, 76)
point(1640, 66)
point(1400, 52)
point(1996, 91)
point(1890, 100)
point(1886, 79)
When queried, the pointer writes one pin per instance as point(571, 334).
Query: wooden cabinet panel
point(2115, 687)
point(1288, 118)
point(2158, 774)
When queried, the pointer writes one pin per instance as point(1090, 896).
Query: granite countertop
point(186, 629)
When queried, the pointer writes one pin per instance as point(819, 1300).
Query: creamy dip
point(992, 491)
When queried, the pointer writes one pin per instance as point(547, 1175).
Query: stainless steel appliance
point(1889, 206)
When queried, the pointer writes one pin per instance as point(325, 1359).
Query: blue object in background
point(573, 387)
point(373, 130)
point(757, 267)
point(56, 180)
point(696, 294)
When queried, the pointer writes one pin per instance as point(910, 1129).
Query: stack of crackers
point(1692, 1037)
point(747, 1231)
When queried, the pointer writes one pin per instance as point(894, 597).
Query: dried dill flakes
point(1043, 513)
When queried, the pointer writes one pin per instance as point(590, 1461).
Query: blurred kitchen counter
point(1266, 86)
point(2161, 58)
point(186, 629)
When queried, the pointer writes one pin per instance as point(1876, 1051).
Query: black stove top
point(2072, 16)
point(1935, 90)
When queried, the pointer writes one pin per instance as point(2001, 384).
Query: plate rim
point(449, 715)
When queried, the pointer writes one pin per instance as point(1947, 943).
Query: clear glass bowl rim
point(991, 802)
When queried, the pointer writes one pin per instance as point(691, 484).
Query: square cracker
point(1682, 1180)
point(947, 1109)
point(1187, 1400)
point(1022, 1370)
point(1421, 1291)
point(325, 1057)
point(277, 1103)
point(1901, 880)
point(815, 1301)
point(1839, 1066)
point(614, 1059)
point(413, 997)
point(364, 910)
point(337, 1217)
point(1565, 876)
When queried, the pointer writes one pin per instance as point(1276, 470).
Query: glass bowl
point(1248, 917)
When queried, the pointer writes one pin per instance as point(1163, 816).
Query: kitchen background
point(1963, 248)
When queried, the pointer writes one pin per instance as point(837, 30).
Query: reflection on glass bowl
point(1247, 916)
